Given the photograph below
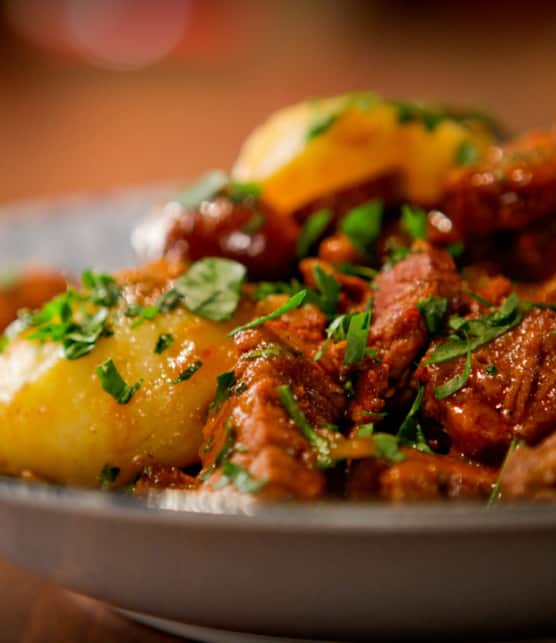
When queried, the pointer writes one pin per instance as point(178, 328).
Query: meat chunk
point(420, 477)
point(510, 392)
point(514, 189)
point(398, 330)
point(530, 472)
point(253, 426)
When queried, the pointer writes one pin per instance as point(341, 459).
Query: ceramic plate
point(328, 570)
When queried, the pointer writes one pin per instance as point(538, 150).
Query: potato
point(362, 137)
point(57, 421)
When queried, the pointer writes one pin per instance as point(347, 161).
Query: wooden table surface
point(35, 611)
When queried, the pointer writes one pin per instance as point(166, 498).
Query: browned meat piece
point(28, 289)
point(420, 477)
point(253, 427)
point(530, 473)
point(398, 330)
point(542, 293)
point(511, 391)
point(247, 232)
point(515, 188)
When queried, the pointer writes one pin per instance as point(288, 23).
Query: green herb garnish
point(365, 430)
point(113, 383)
point(362, 226)
point(491, 369)
point(267, 288)
point(291, 304)
point(411, 432)
point(240, 477)
point(356, 337)
point(414, 222)
point(459, 381)
point(102, 288)
point(320, 125)
point(433, 310)
point(255, 223)
point(188, 372)
point(467, 153)
point(211, 288)
point(244, 191)
point(327, 293)
point(364, 272)
point(313, 229)
point(388, 447)
point(319, 443)
point(164, 341)
point(266, 351)
point(224, 383)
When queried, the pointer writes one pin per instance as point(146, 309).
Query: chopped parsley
point(211, 288)
point(164, 341)
point(291, 304)
point(467, 153)
point(455, 250)
point(255, 223)
point(206, 188)
point(244, 191)
point(388, 447)
point(102, 288)
point(356, 338)
point(266, 288)
point(188, 372)
point(224, 383)
point(312, 231)
point(320, 125)
point(365, 430)
point(327, 293)
point(108, 476)
point(113, 383)
point(319, 443)
point(362, 226)
point(414, 222)
point(364, 272)
point(459, 381)
point(266, 351)
point(491, 369)
point(433, 310)
point(240, 477)
point(411, 432)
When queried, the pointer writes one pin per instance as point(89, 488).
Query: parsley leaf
point(212, 287)
point(206, 188)
point(410, 432)
point(491, 369)
point(328, 291)
point(467, 153)
point(357, 334)
point(414, 222)
point(433, 310)
point(320, 125)
point(387, 446)
point(451, 386)
point(495, 493)
point(291, 304)
point(103, 288)
point(224, 383)
point(188, 372)
point(164, 341)
point(313, 229)
point(266, 288)
point(319, 443)
point(255, 223)
point(362, 225)
point(243, 191)
point(240, 477)
point(113, 383)
point(364, 272)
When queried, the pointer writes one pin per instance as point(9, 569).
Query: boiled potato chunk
point(361, 138)
point(57, 422)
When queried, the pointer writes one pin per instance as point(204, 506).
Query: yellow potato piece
point(57, 421)
point(362, 143)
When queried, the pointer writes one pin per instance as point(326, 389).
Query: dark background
point(105, 93)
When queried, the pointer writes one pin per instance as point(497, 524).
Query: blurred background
point(96, 94)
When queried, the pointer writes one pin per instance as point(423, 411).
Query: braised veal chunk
point(510, 392)
point(530, 472)
point(515, 188)
point(420, 477)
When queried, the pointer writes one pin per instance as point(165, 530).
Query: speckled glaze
point(329, 570)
